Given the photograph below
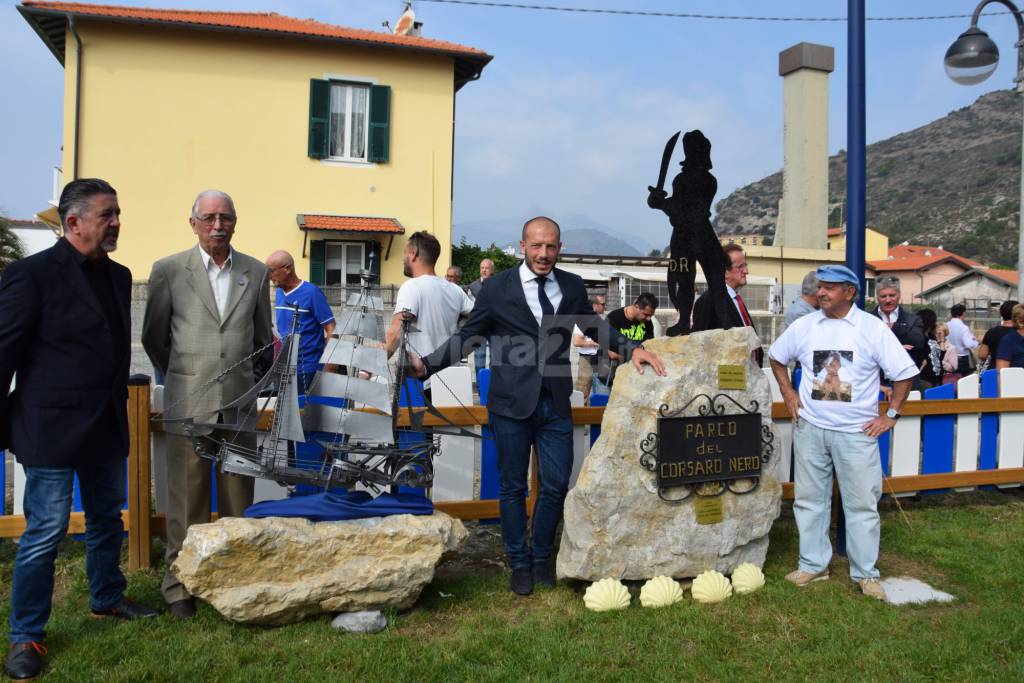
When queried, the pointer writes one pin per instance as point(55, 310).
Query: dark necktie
point(545, 303)
point(758, 352)
point(547, 312)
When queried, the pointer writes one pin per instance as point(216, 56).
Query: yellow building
point(876, 245)
point(334, 142)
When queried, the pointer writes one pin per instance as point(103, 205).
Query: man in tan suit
point(208, 310)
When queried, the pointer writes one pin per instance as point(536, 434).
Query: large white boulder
point(280, 570)
point(615, 523)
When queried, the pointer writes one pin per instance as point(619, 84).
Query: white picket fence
point(917, 445)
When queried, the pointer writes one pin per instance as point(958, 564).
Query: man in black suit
point(907, 327)
point(704, 315)
point(65, 331)
point(528, 313)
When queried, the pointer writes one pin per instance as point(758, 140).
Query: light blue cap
point(837, 274)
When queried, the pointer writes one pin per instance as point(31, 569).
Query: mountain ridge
point(954, 181)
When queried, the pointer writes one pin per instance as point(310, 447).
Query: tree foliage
point(11, 248)
point(468, 257)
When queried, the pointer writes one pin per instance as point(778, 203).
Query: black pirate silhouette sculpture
point(693, 239)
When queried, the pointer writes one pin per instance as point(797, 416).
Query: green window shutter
point(380, 123)
point(317, 262)
point(319, 117)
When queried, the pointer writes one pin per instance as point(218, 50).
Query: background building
point(334, 142)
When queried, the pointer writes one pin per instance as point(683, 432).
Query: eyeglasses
point(211, 218)
point(739, 266)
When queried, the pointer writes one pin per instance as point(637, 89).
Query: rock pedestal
point(615, 523)
point(280, 570)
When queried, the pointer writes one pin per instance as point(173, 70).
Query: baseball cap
point(837, 274)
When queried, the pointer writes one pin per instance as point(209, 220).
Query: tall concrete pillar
point(803, 211)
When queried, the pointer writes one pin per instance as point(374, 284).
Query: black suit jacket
point(705, 318)
point(520, 349)
point(70, 403)
point(909, 329)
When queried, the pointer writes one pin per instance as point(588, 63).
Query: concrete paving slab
point(906, 590)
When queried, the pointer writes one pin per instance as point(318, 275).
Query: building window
point(349, 109)
point(349, 121)
point(343, 261)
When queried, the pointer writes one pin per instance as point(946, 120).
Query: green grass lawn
point(969, 544)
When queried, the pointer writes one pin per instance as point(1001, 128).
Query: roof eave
point(470, 64)
point(32, 15)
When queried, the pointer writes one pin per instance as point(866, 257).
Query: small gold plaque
point(708, 510)
point(732, 377)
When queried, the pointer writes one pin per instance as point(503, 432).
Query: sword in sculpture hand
point(666, 158)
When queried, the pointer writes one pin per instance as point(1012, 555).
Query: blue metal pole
point(856, 148)
point(856, 176)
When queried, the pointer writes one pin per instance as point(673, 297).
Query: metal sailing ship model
point(353, 417)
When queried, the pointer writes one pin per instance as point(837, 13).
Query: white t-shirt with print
point(437, 305)
point(839, 360)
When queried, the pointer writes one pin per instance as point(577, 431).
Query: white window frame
point(342, 247)
point(349, 82)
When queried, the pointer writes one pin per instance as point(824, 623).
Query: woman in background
point(1011, 349)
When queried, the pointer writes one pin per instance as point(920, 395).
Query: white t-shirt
point(437, 305)
point(840, 359)
point(960, 337)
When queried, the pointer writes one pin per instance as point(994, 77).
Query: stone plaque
point(708, 509)
point(708, 448)
point(732, 377)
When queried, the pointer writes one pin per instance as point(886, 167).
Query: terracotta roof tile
point(1008, 276)
point(46, 18)
point(349, 223)
point(260, 21)
point(916, 257)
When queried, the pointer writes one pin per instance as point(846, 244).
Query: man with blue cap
point(836, 423)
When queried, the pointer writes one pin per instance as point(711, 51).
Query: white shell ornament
point(606, 595)
point(661, 591)
point(747, 578)
point(711, 586)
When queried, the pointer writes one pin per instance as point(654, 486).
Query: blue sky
point(572, 114)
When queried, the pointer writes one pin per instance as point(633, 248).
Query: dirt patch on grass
point(481, 555)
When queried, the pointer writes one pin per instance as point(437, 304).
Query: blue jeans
point(551, 435)
point(855, 459)
point(47, 505)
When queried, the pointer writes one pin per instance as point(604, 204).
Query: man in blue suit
point(527, 314)
point(65, 330)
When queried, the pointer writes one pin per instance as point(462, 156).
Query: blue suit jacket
point(522, 352)
point(55, 336)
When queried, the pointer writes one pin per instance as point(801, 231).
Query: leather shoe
point(544, 574)
point(126, 609)
point(24, 661)
point(522, 581)
point(183, 609)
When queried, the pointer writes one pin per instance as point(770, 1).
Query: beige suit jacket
point(185, 337)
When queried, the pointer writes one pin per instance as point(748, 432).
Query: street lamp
point(970, 60)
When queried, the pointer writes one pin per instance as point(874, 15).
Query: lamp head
point(972, 58)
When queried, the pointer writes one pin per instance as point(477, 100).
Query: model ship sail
point(351, 417)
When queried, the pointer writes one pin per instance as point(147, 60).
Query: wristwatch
point(892, 414)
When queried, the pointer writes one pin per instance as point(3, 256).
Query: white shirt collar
point(852, 317)
point(732, 292)
point(295, 288)
point(207, 259)
point(527, 275)
point(893, 317)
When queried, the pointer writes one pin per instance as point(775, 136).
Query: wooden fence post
point(139, 486)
